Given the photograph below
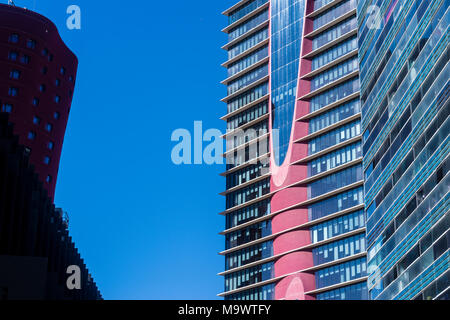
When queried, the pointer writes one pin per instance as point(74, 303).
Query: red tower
point(37, 79)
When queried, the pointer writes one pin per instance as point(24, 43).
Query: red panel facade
point(37, 78)
point(294, 283)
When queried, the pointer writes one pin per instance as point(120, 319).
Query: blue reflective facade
point(404, 83)
point(286, 38)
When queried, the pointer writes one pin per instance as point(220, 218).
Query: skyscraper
point(404, 54)
point(37, 81)
point(295, 226)
point(37, 78)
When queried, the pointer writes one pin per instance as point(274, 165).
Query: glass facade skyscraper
point(295, 223)
point(403, 56)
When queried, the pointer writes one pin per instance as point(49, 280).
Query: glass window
point(6, 107)
point(31, 135)
point(13, 92)
point(14, 38)
point(25, 59)
point(31, 44)
point(14, 74)
point(13, 56)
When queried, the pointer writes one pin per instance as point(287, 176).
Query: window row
point(342, 201)
point(14, 92)
point(247, 43)
point(249, 154)
point(438, 289)
point(334, 53)
point(14, 56)
point(247, 97)
point(334, 73)
point(337, 226)
point(335, 181)
point(247, 116)
point(320, 3)
point(340, 273)
point(244, 10)
point(353, 292)
point(246, 174)
point(248, 255)
point(334, 137)
point(249, 276)
point(333, 13)
point(248, 61)
point(334, 94)
point(266, 292)
point(248, 25)
point(339, 249)
point(334, 33)
point(248, 79)
point(249, 193)
point(248, 234)
point(31, 44)
point(335, 115)
point(248, 213)
point(241, 136)
point(334, 159)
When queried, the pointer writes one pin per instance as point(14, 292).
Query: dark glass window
point(47, 160)
point(50, 145)
point(56, 115)
point(13, 56)
point(49, 127)
point(42, 88)
point(14, 38)
point(25, 59)
point(35, 102)
point(31, 135)
point(13, 92)
point(31, 44)
point(36, 120)
point(14, 74)
point(6, 107)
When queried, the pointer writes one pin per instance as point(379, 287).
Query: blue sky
point(148, 229)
